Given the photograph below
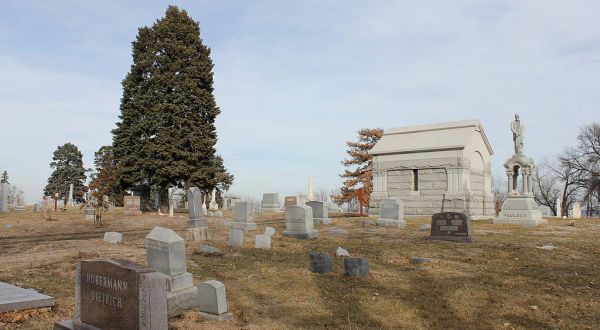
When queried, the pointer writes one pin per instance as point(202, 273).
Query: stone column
point(509, 175)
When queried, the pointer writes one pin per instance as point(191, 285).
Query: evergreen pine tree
point(166, 136)
point(4, 178)
point(360, 177)
point(67, 163)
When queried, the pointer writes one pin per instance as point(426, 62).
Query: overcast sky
point(296, 79)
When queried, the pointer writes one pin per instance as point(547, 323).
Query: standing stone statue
point(517, 129)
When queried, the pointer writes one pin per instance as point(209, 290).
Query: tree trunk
point(164, 200)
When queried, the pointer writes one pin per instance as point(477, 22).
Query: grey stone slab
point(13, 298)
point(451, 226)
point(113, 237)
point(354, 266)
point(236, 238)
point(419, 260)
point(262, 242)
point(165, 251)
point(321, 262)
point(299, 222)
point(337, 232)
point(269, 231)
point(391, 209)
point(182, 300)
point(196, 214)
point(212, 296)
point(242, 212)
point(208, 250)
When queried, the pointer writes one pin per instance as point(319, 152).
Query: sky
point(296, 79)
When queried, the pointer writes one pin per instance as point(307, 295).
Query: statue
point(517, 129)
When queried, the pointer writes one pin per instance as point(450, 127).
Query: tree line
point(166, 134)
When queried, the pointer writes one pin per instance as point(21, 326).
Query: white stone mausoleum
point(435, 168)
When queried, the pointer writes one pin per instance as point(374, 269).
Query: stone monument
point(165, 252)
point(320, 212)
point(70, 200)
point(299, 222)
point(575, 211)
point(270, 203)
point(197, 225)
point(213, 206)
point(242, 218)
point(213, 301)
point(117, 294)
point(451, 226)
point(131, 205)
point(4, 189)
point(519, 207)
point(391, 213)
point(558, 208)
point(13, 298)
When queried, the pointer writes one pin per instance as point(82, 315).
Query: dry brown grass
point(501, 282)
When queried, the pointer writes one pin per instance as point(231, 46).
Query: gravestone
point(131, 205)
point(270, 203)
point(4, 190)
point(262, 242)
point(302, 199)
point(558, 208)
point(320, 212)
point(299, 222)
point(451, 226)
point(546, 211)
point(575, 211)
point(236, 238)
point(13, 298)
point(35, 207)
point(70, 200)
point(213, 300)
point(197, 224)
point(117, 294)
point(320, 262)
point(165, 252)
point(234, 200)
point(242, 218)
point(391, 213)
point(354, 266)
point(20, 205)
point(113, 237)
point(48, 202)
point(89, 213)
point(290, 201)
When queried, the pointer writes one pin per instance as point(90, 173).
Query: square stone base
point(73, 325)
point(453, 239)
point(180, 282)
point(182, 300)
point(391, 223)
point(325, 221)
point(198, 234)
point(245, 226)
point(520, 221)
point(301, 235)
point(222, 317)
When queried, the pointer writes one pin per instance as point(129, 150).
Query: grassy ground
point(500, 282)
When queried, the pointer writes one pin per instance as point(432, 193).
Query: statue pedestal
point(520, 210)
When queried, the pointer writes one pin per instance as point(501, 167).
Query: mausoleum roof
point(434, 137)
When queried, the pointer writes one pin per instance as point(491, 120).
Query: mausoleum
point(443, 167)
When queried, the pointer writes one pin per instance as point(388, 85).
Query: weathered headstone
point(299, 222)
point(113, 237)
point(546, 211)
point(302, 199)
point(131, 205)
point(212, 205)
point(321, 262)
point(262, 242)
point(35, 207)
point(89, 213)
point(165, 252)
point(290, 201)
point(270, 203)
point(4, 190)
point(70, 200)
point(213, 300)
point(451, 226)
point(320, 212)
point(575, 211)
point(354, 266)
point(197, 225)
point(117, 294)
point(242, 218)
point(236, 238)
point(558, 208)
point(391, 213)
point(13, 298)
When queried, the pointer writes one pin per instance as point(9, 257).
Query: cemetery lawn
point(502, 281)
